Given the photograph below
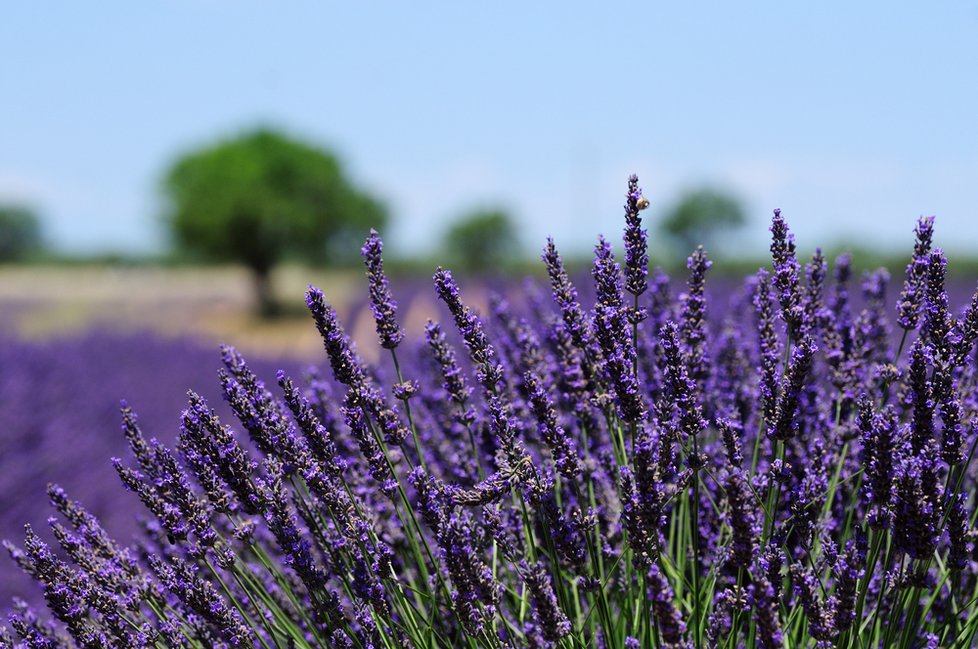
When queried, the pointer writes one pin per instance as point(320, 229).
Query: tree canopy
point(482, 239)
point(262, 197)
point(20, 232)
point(700, 216)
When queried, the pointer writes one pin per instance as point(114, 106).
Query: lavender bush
point(628, 474)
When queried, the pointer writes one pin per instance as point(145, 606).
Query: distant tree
point(20, 232)
point(700, 216)
point(482, 239)
point(262, 197)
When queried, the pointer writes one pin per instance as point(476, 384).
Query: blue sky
point(854, 118)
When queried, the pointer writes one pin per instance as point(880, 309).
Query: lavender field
point(60, 401)
point(782, 461)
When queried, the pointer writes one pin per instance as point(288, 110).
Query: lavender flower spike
point(913, 287)
point(693, 323)
point(937, 321)
point(565, 296)
point(667, 617)
point(560, 443)
point(342, 358)
point(768, 347)
point(552, 619)
point(349, 369)
point(381, 301)
point(786, 423)
point(786, 275)
point(636, 240)
point(767, 579)
point(821, 624)
point(878, 446)
point(454, 380)
point(741, 515)
point(966, 331)
point(488, 370)
point(614, 335)
point(682, 388)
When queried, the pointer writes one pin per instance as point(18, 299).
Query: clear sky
point(853, 117)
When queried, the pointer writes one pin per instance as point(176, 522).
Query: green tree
point(700, 216)
point(482, 239)
point(261, 197)
point(20, 232)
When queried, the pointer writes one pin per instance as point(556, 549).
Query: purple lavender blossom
point(202, 597)
point(342, 357)
point(382, 303)
point(878, 433)
point(551, 618)
point(741, 504)
point(849, 570)
point(821, 623)
point(349, 370)
point(565, 296)
point(475, 591)
point(693, 317)
point(937, 321)
point(966, 332)
point(681, 389)
point(786, 423)
point(815, 310)
point(669, 622)
point(454, 380)
point(768, 347)
point(317, 436)
point(613, 334)
point(920, 398)
point(945, 390)
point(960, 534)
point(766, 593)
point(488, 369)
point(644, 497)
point(913, 287)
point(786, 275)
point(211, 449)
point(917, 503)
point(377, 461)
point(636, 240)
point(560, 444)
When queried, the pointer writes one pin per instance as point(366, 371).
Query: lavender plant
point(628, 473)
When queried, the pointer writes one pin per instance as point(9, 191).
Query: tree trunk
point(268, 306)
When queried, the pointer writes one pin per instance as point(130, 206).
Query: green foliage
point(700, 216)
point(20, 232)
point(263, 196)
point(482, 239)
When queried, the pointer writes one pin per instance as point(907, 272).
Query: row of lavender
point(624, 475)
point(59, 420)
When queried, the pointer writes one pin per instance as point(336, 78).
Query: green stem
point(407, 410)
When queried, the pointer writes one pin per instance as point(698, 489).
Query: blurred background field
point(210, 305)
